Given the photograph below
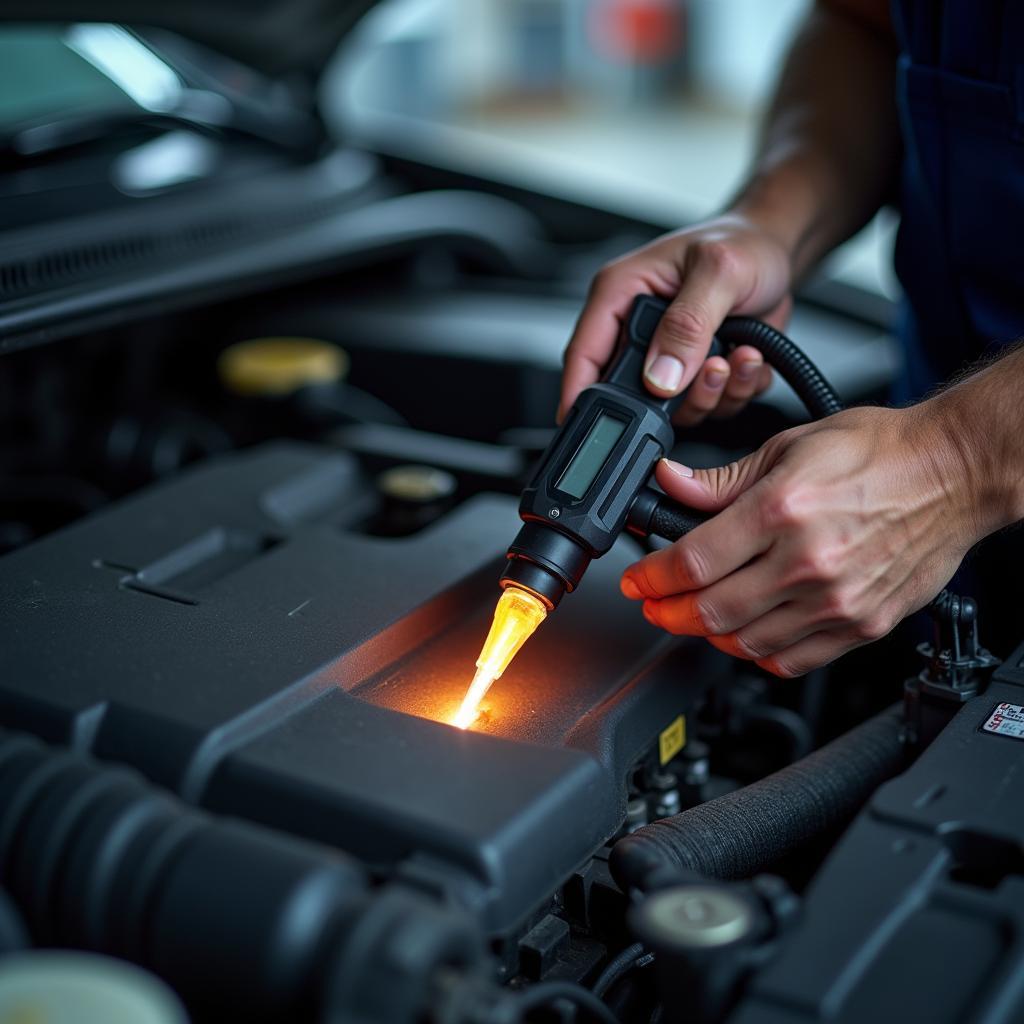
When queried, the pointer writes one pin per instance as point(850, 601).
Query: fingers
point(789, 640)
point(706, 392)
point(703, 557)
point(816, 650)
point(748, 378)
point(722, 388)
point(781, 628)
point(717, 547)
point(681, 342)
point(588, 351)
point(596, 333)
point(712, 489)
point(741, 600)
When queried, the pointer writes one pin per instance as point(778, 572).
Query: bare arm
point(829, 147)
point(982, 417)
point(828, 153)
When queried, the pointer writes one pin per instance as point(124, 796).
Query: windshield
point(51, 73)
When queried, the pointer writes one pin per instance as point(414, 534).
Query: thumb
point(713, 489)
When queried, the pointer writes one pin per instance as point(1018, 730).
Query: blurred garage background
point(648, 107)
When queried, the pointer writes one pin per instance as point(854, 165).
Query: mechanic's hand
point(827, 537)
point(727, 265)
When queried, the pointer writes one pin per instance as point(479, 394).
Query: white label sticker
point(1006, 720)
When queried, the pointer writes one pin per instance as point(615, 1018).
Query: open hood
point(277, 37)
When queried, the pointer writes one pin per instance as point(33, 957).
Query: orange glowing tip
point(518, 614)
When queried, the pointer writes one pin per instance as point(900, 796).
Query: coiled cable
point(791, 362)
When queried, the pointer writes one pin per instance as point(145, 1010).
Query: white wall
point(738, 45)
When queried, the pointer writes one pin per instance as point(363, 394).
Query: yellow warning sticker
point(672, 739)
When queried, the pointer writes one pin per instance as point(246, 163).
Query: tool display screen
point(587, 462)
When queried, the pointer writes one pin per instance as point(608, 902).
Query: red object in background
point(639, 31)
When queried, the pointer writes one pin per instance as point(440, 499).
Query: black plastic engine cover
point(229, 637)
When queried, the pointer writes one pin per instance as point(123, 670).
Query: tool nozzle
point(516, 617)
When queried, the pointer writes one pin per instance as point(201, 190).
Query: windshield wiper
point(195, 109)
point(157, 94)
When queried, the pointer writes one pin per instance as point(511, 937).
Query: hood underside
point(277, 37)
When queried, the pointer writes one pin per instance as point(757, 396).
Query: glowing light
point(518, 614)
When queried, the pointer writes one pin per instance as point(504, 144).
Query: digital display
point(587, 462)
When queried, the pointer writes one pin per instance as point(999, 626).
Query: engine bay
point(240, 611)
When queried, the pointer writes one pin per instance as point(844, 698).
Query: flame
point(516, 617)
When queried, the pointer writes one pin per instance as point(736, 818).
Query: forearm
point(980, 429)
point(829, 147)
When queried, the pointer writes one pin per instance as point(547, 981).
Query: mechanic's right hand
point(722, 266)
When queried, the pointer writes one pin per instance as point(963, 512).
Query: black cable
point(551, 991)
point(795, 368)
point(620, 965)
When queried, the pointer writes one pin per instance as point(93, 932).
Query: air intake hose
point(246, 923)
point(739, 834)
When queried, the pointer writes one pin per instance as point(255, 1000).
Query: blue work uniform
point(960, 247)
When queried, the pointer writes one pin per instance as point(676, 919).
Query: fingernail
point(665, 373)
point(630, 589)
point(748, 370)
point(677, 467)
point(715, 379)
point(649, 613)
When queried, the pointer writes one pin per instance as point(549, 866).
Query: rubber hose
point(782, 355)
point(741, 833)
point(244, 922)
point(547, 992)
point(617, 967)
point(97, 858)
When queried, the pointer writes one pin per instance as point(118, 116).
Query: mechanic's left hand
point(828, 536)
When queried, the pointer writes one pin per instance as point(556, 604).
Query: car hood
point(277, 37)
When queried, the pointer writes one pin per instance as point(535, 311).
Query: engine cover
point(231, 636)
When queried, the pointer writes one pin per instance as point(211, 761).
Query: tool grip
point(626, 369)
point(671, 521)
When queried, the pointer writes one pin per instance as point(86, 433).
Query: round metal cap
point(694, 916)
point(58, 987)
point(280, 366)
point(417, 484)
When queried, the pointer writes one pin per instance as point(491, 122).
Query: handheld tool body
point(584, 489)
point(593, 480)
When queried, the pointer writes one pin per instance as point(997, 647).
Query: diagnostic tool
point(592, 482)
point(583, 490)
point(580, 496)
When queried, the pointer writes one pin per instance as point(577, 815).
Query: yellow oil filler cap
point(280, 366)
